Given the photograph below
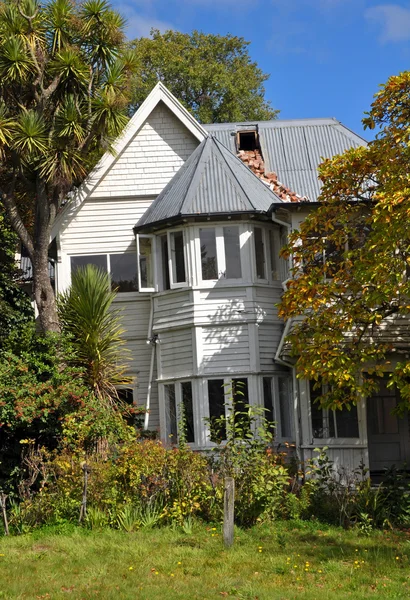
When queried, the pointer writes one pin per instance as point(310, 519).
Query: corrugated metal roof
point(294, 148)
point(212, 181)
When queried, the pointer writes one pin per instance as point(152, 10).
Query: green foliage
point(44, 400)
point(87, 315)
point(349, 302)
point(66, 86)
point(261, 477)
point(212, 75)
point(15, 305)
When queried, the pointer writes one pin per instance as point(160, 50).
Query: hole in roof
point(248, 140)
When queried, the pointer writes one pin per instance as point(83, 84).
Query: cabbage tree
point(64, 89)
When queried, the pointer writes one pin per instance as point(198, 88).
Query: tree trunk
point(44, 295)
point(43, 291)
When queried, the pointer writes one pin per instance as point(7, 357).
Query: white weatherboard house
point(191, 237)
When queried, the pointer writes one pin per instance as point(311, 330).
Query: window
point(145, 247)
point(178, 405)
point(220, 253)
point(258, 237)
point(208, 253)
point(126, 397)
point(225, 395)
point(124, 272)
point(277, 396)
point(216, 398)
point(188, 411)
point(166, 284)
point(171, 413)
point(328, 423)
point(121, 267)
point(178, 274)
point(98, 260)
point(233, 268)
point(248, 140)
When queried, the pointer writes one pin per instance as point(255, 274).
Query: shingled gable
point(159, 94)
point(212, 182)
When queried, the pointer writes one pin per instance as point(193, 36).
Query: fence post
point(83, 509)
point(229, 502)
point(3, 499)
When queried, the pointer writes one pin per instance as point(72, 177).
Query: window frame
point(108, 265)
point(153, 261)
point(171, 259)
point(275, 394)
point(227, 384)
point(220, 253)
point(178, 403)
point(326, 412)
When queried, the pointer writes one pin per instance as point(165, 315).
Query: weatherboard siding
point(150, 159)
point(225, 349)
point(104, 226)
point(176, 354)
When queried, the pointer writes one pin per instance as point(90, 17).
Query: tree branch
point(7, 199)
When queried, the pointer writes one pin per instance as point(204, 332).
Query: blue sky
point(326, 57)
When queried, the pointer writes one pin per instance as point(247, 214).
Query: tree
point(212, 75)
point(65, 85)
point(86, 314)
point(15, 305)
point(351, 286)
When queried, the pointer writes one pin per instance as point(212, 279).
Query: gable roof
point(293, 149)
point(159, 94)
point(213, 181)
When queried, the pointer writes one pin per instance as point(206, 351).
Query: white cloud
point(140, 23)
point(394, 21)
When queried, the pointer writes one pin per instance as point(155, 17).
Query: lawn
point(302, 560)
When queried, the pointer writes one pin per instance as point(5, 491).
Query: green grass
point(283, 561)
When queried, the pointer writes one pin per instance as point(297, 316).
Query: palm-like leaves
point(30, 135)
point(86, 313)
point(15, 62)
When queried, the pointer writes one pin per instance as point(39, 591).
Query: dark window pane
point(178, 258)
point(269, 413)
point(347, 423)
point(170, 414)
point(285, 405)
point(323, 420)
point(208, 253)
point(216, 397)
point(164, 262)
point(232, 253)
point(241, 403)
point(126, 396)
point(146, 262)
point(188, 411)
point(124, 274)
point(259, 253)
point(98, 260)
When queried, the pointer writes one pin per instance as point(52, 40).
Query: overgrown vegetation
point(292, 560)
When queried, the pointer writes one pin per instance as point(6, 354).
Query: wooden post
point(83, 509)
point(3, 499)
point(229, 503)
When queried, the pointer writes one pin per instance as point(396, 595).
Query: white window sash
point(172, 261)
point(153, 262)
